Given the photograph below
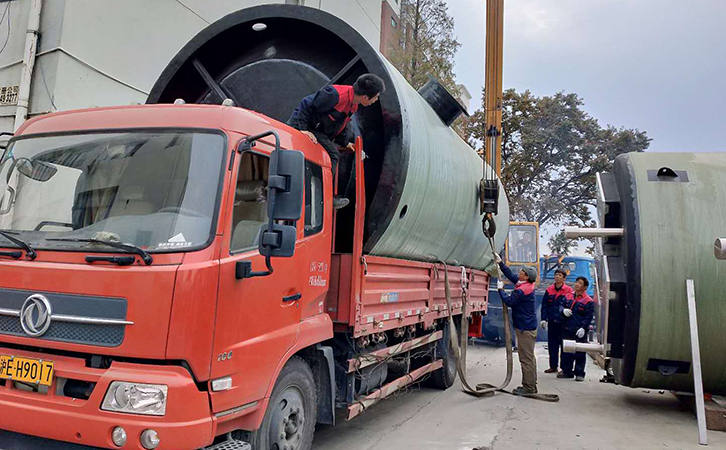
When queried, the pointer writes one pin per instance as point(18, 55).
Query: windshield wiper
point(117, 245)
point(14, 255)
point(29, 252)
point(120, 260)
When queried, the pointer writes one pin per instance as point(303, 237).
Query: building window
point(393, 23)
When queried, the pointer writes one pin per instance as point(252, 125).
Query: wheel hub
point(288, 421)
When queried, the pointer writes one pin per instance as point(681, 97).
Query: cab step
point(231, 444)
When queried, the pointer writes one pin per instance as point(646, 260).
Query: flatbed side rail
point(396, 293)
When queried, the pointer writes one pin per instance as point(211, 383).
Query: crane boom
point(493, 83)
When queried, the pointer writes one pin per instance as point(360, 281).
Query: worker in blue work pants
point(551, 317)
point(524, 317)
point(577, 310)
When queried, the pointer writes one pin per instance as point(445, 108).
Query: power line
point(7, 39)
point(377, 25)
point(45, 83)
point(193, 12)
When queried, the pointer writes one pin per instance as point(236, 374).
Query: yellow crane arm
point(493, 83)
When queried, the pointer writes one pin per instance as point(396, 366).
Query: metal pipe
point(602, 296)
point(569, 346)
point(26, 72)
point(576, 232)
point(719, 248)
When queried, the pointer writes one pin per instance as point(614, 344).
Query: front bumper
point(187, 424)
point(16, 441)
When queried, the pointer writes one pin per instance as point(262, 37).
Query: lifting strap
point(482, 389)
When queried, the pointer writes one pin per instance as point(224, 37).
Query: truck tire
point(444, 378)
point(289, 421)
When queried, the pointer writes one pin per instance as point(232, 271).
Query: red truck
point(174, 276)
point(141, 306)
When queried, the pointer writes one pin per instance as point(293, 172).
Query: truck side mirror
point(285, 200)
point(278, 243)
point(286, 185)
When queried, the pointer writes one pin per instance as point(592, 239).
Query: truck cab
point(133, 303)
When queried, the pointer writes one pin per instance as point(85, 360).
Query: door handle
point(292, 298)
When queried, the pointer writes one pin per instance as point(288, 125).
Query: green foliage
point(427, 43)
point(560, 245)
point(551, 151)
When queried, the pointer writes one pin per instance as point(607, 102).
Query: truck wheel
point(444, 378)
point(290, 418)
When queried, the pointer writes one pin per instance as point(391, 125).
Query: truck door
point(258, 319)
point(316, 244)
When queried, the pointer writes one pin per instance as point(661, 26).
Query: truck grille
point(72, 307)
point(77, 333)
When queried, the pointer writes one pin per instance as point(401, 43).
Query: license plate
point(27, 370)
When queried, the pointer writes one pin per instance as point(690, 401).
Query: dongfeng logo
point(35, 315)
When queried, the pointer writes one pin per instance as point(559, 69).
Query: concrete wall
point(16, 13)
point(110, 52)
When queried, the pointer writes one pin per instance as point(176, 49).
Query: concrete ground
point(590, 415)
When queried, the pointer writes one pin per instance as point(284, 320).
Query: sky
point(655, 65)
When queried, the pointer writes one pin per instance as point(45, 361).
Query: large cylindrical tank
point(422, 179)
point(672, 207)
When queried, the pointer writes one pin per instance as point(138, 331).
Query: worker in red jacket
point(524, 317)
point(325, 116)
point(577, 310)
point(551, 318)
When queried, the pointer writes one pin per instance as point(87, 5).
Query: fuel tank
point(421, 178)
point(671, 207)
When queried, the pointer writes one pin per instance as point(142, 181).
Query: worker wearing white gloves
point(524, 319)
point(552, 317)
point(577, 311)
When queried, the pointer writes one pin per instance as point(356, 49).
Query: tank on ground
point(671, 206)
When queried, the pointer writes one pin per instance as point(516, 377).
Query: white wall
point(110, 52)
point(363, 15)
point(12, 55)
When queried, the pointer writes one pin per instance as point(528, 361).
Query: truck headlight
point(136, 398)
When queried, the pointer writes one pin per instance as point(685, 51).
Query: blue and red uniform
point(327, 114)
point(521, 300)
point(551, 301)
point(583, 310)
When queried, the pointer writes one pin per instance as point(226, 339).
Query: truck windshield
point(152, 189)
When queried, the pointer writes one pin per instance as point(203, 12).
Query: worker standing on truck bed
point(551, 316)
point(524, 318)
point(324, 116)
point(577, 309)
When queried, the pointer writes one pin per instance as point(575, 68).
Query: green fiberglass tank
point(672, 207)
point(422, 179)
